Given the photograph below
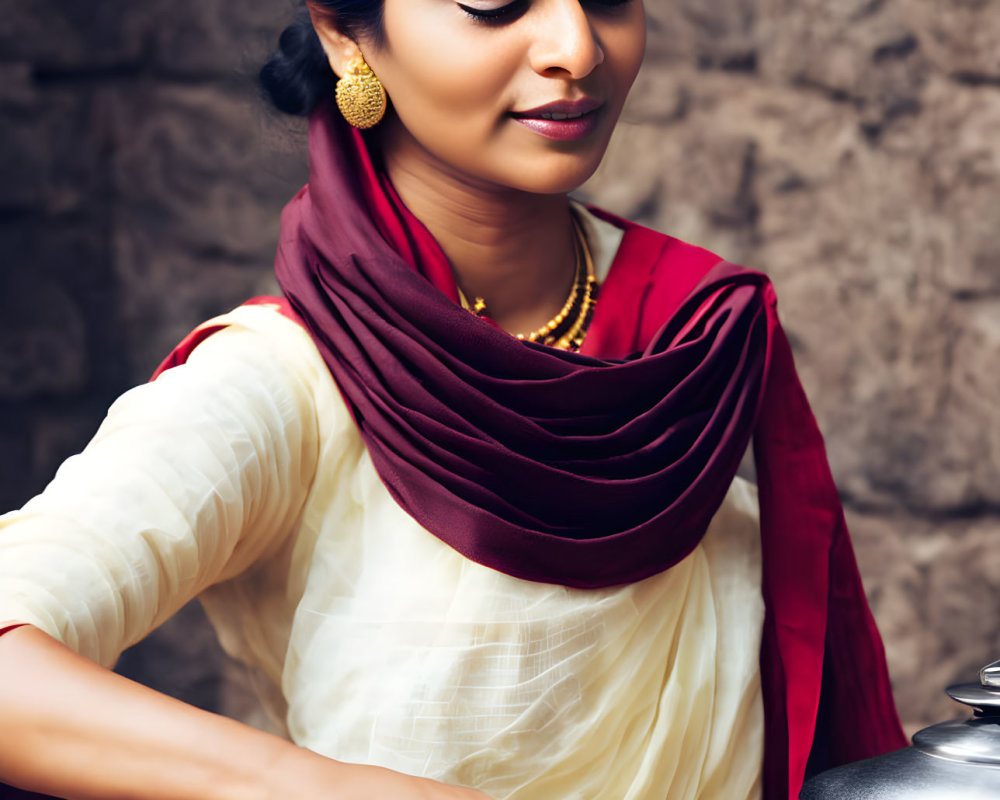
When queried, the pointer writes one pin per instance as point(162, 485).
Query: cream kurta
point(241, 476)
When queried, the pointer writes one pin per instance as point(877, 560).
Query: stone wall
point(849, 148)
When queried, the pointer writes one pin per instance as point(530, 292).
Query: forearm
point(76, 730)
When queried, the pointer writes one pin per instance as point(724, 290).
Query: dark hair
point(297, 76)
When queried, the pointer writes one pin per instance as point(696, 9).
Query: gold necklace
point(567, 329)
point(573, 338)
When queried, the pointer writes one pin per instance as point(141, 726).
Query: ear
point(340, 49)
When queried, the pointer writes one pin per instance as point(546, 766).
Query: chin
point(559, 173)
point(553, 186)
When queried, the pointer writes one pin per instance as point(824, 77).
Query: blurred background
point(850, 148)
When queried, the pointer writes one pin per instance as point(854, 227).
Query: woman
point(519, 565)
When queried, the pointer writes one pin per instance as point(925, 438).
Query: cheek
point(438, 73)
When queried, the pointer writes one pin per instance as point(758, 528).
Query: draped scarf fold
point(602, 467)
point(546, 465)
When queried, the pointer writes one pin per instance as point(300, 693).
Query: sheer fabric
point(375, 642)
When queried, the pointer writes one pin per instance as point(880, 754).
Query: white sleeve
point(189, 481)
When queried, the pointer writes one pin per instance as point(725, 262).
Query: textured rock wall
point(140, 185)
point(850, 148)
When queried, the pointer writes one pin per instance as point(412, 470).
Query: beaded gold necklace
point(567, 329)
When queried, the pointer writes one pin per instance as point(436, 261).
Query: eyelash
point(496, 16)
point(514, 9)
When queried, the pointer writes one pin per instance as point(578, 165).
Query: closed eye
point(497, 16)
point(511, 11)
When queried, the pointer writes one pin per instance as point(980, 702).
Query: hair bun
point(298, 75)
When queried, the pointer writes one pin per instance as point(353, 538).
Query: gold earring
point(360, 95)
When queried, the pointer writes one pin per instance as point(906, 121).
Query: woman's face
point(474, 83)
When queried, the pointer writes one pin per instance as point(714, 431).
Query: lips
point(563, 120)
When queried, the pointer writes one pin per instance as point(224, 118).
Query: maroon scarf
point(598, 468)
point(542, 464)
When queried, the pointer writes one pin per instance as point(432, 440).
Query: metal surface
point(985, 700)
point(990, 675)
point(908, 774)
point(972, 741)
point(949, 761)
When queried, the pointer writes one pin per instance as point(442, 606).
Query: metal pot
point(959, 759)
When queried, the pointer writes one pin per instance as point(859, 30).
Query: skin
point(492, 191)
point(76, 730)
point(494, 195)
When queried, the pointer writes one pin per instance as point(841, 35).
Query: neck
point(513, 249)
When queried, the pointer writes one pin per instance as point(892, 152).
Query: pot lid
point(976, 740)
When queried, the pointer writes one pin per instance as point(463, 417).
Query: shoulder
point(256, 358)
point(260, 315)
point(656, 254)
point(649, 280)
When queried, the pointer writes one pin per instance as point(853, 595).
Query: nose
point(565, 42)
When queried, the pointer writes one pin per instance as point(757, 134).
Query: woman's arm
point(190, 481)
point(76, 730)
